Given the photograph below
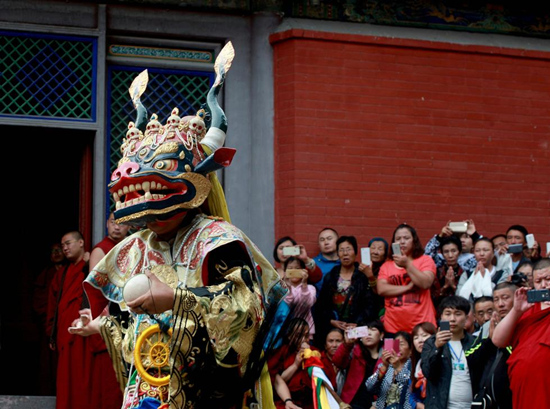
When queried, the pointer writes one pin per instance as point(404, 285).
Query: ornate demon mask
point(166, 169)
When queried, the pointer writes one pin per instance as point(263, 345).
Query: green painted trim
point(161, 53)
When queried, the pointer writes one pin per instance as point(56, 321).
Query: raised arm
point(504, 331)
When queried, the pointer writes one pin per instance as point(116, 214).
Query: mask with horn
point(169, 169)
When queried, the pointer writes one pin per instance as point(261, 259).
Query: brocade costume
point(215, 324)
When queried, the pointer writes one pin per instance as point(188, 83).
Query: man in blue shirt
point(327, 259)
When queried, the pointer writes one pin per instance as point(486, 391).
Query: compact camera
point(538, 295)
point(515, 248)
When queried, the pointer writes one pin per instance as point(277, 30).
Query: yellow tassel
point(216, 198)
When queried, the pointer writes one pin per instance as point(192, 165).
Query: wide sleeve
point(113, 333)
point(213, 335)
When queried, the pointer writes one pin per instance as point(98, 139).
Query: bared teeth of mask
point(132, 188)
point(116, 197)
point(148, 196)
point(125, 190)
point(146, 186)
point(118, 205)
point(138, 186)
point(153, 185)
point(155, 197)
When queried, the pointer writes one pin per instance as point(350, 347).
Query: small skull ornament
point(173, 120)
point(153, 126)
point(196, 126)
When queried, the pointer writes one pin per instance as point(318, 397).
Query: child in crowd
point(420, 333)
point(301, 296)
point(390, 382)
point(360, 356)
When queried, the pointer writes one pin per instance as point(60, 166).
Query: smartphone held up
point(293, 273)
point(396, 248)
point(391, 344)
point(291, 251)
point(444, 326)
point(458, 227)
point(515, 248)
point(365, 256)
point(357, 332)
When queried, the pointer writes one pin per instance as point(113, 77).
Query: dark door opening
point(43, 199)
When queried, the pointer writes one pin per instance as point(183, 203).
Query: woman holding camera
point(288, 247)
point(346, 295)
point(359, 357)
point(390, 382)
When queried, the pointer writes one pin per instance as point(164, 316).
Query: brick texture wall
point(371, 132)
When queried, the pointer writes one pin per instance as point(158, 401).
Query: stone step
point(27, 402)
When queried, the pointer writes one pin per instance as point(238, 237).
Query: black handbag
point(484, 399)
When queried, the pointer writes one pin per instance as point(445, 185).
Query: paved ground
point(27, 402)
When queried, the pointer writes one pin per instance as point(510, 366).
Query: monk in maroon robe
point(64, 303)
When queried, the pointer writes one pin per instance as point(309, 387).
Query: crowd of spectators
point(444, 325)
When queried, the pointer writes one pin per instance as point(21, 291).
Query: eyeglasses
point(67, 243)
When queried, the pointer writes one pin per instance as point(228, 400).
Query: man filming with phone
point(517, 246)
point(526, 330)
point(445, 362)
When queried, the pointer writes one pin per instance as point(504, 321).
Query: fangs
point(145, 186)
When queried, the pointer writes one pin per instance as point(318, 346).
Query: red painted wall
point(371, 132)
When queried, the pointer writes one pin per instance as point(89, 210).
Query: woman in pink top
point(404, 281)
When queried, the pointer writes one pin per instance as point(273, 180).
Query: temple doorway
point(45, 188)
